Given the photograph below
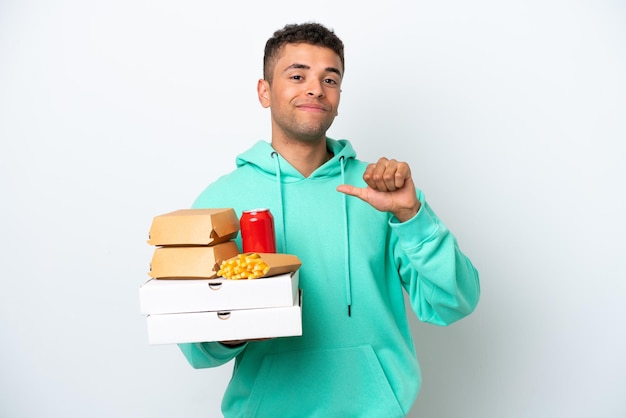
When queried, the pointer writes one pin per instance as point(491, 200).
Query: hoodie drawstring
point(280, 221)
point(342, 161)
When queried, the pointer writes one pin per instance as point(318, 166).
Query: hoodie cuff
point(416, 230)
point(221, 351)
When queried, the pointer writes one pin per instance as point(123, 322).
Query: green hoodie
point(355, 357)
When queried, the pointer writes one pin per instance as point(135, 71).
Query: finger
point(402, 174)
point(374, 175)
point(395, 175)
point(351, 190)
point(389, 175)
point(368, 176)
point(233, 343)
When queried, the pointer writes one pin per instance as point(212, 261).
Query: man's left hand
point(390, 188)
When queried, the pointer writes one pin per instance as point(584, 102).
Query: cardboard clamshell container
point(182, 296)
point(194, 227)
point(226, 325)
point(201, 262)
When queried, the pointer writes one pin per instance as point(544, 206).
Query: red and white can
point(257, 231)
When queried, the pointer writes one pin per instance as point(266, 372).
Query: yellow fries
point(244, 266)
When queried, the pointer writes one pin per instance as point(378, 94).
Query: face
point(304, 94)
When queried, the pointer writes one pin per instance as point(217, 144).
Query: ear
point(263, 91)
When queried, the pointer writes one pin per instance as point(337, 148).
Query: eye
point(331, 81)
point(296, 77)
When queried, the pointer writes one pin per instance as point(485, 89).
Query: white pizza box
point(243, 324)
point(163, 296)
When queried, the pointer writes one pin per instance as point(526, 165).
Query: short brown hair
point(306, 33)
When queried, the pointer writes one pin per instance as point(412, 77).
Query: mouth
point(312, 107)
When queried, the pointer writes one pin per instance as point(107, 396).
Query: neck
point(303, 156)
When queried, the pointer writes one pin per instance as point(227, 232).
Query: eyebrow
point(308, 67)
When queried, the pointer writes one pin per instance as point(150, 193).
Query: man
point(363, 233)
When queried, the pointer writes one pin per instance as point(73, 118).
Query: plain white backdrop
point(511, 114)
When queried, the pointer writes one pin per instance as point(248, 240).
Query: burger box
point(225, 325)
point(194, 227)
point(163, 296)
point(191, 261)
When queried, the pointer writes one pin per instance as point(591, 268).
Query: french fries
point(244, 266)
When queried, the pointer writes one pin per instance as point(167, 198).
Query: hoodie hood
point(263, 158)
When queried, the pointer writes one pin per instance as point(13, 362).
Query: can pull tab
point(223, 315)
point(215, 286)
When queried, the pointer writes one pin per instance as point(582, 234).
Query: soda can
point(257, 231)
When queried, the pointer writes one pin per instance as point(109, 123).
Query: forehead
point(313, 56)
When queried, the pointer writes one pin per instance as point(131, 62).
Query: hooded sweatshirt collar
point(260, 156)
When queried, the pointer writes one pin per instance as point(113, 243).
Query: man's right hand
point(238, 343)
point(234, 343)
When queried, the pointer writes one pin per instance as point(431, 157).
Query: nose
point(314, 89)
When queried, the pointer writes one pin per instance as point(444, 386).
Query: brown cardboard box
point(280, 263)
point(200, 262)
point(194, 227)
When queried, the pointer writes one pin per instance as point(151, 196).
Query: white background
point(511, 114)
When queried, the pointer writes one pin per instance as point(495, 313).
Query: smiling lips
point(312, 106)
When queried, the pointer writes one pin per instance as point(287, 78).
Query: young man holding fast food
point(365, 235)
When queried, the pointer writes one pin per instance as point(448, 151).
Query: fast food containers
point(185, 301)
point(194, 227)
point(221, 311)
point(192, 243)
point(176, 296)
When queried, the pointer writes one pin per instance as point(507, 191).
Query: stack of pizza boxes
point(185, 300)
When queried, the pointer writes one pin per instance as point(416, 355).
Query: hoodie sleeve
point(213, 354)
point(442, 283)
